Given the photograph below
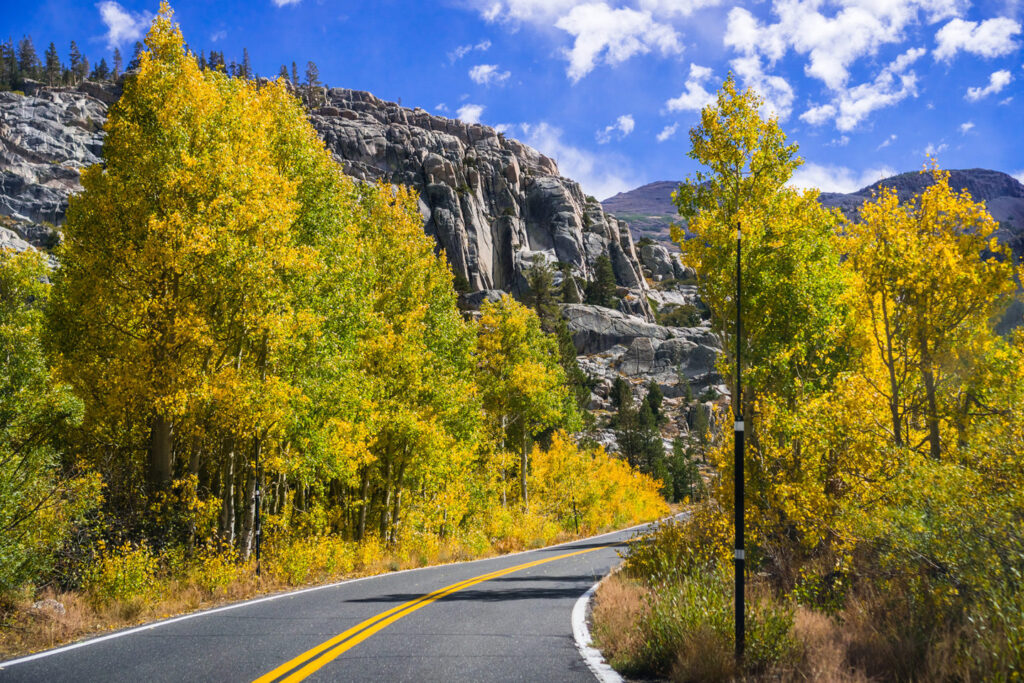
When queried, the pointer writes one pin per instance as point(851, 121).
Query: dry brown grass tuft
point(618, 606)
point(825, 644)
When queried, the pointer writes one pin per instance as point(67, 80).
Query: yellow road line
point(314, 659)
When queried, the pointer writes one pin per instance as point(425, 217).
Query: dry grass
point(617, 609)
point(825, 644)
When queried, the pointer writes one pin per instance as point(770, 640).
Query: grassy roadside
point(129, 597)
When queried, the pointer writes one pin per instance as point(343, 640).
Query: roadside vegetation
point(243, 351)
point(885, 427)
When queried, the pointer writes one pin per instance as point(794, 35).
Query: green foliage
point(601, 290)
point(686, 315)
point(38, 502)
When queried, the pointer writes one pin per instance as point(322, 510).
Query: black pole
point(259, 517)
point(738, 464)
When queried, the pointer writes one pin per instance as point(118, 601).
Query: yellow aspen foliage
point(931, 276)
point(521, 381)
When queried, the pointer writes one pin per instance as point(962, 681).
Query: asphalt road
point(501, 619)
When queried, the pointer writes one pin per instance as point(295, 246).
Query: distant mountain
point(649, 208)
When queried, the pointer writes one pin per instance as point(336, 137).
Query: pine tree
point(283, 73)
point(10, 76)
point(28, 60)
point(312, 75)
point(136, 55)
point(118, 64)
point(101, 72)
point(245, 70)
point(53, 67)
point(295, 75)
point(75, 56)
point(601, 291)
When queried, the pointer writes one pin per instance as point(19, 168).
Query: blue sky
point(611, 88)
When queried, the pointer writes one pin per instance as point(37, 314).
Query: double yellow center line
point(316, 658)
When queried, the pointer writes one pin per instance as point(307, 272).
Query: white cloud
point(532, 11)
point(966, 126)
point(1019, 175)
point(470, 113)
point(888, 141)
point(683, 8)
point(282, 3)
point(463, 50)
point(775, 90)
point(667, 132)
point(996, 82)
point(123, 26)
point(612, 36)
point(622, 127)
point(832, 43)
point(488, 74)
point(1004, 102)
point(990, 38)
point(695, 97)
point(600, 176)
point(218, 35)
point(828, 178)
point(441, 107)
point(931, 150)
point(853, 105)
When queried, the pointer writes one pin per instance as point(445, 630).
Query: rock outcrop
point(45, 141)
point(492, 203)
point(612, 343)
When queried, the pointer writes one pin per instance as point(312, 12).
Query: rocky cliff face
point(493, 204)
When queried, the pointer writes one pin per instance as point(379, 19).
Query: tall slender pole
point(738, 465)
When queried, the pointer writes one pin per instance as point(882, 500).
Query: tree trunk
point(161, 453)
point(365, 493)
point(227, 509)
point(935, 447)
point(894, 387)
point(523, 464)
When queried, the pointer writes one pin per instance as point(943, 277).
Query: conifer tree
point(136, 56)
point(312, 75)
point(283, 73)
point(245, 70)
point(601, 291)
point(102, 71)
point(28, 60)
point(118, 64)
point(53, 68)
point(9, 74)
point(77, 63)
point(295, 75)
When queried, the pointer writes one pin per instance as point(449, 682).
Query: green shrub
point(122, 574)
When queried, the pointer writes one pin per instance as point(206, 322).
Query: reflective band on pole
point(741, 555)
point(739, 426)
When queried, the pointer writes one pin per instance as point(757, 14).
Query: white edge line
point(584, 643)
point(269, 598)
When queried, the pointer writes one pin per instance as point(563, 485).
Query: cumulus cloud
point(829, 178)
point(123, 26)
point(965, 127)
point(776, 90)
point(695, 97)
point(832, 43)
point(470, 113)
point(463, 50)
point(441, 107)
point(622, 127)
point(990, 38)
point(683, 8)
point(282, 3)
point(852, 105)
point(667, 132)
point(600, 176)
point(996, 82)
point(932, 149)
point(603, 34)
point(488, 74)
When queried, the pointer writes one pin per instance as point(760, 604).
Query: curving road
point(501, 619)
